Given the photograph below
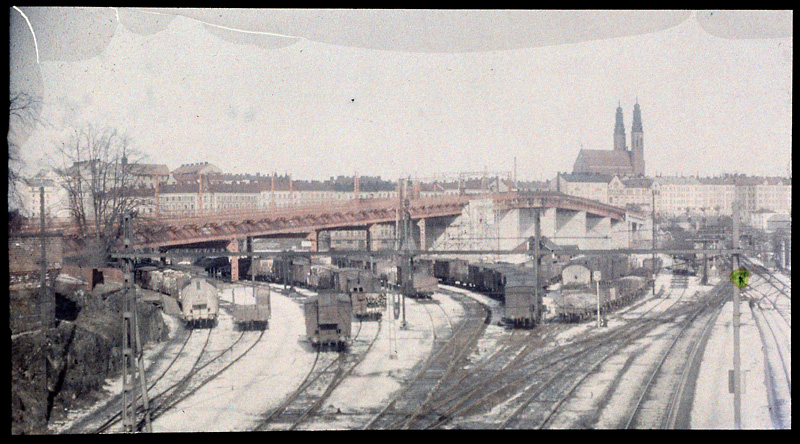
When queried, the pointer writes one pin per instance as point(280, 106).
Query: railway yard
point(452, 362)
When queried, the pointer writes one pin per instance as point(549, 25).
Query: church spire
point(637, 118)
point(619, 131)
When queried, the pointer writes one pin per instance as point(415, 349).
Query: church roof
point(603, 159)
point(587, 177)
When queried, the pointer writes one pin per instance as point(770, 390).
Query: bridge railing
point(199, 217)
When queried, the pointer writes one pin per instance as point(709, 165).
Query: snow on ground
point(113, 386)
point(389, 363)
point(713, 405)
point(487, 344)
point(258, 382)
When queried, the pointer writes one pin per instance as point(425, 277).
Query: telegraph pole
point(737, 394)
point(654, 241)
point(47, 311)
point(132, 351)
point(536, 257)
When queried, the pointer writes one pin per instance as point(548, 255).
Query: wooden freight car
point(321, 276)
point(353, 280)
point(522, 307)
point(251, 307)
point(452, 271)
point(328, 319)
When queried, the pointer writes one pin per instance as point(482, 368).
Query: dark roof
point(587, 177)
point(603, 159)
point(638, 182)
point(149, 169)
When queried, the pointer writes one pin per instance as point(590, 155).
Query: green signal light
point(739, 277)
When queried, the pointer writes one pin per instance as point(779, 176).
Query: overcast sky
point(390, 93)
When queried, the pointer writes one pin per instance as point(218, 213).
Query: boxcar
point(251, 307)
point(199, 301)
point(368, 305)
point(261, 269)
point(352, 280)
point(459, 272)
point(475, 277)
point(522, 308)
point(424, 284)
point(328, 319)
point(492, 279)
point(576, 275)
point(299, 268)
point(322, 277)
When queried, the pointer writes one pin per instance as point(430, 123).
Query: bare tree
point(23, 114)
point(96, 171)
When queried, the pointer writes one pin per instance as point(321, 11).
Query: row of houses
point(675, 195)
point(203, 188)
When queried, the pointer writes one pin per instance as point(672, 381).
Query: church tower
point(637, 141)
point(619, 132)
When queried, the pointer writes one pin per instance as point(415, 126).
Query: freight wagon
point(261, 269)
point(368, 305)
point(199, 302)
point(580, 304)
point(251, 307)
point(522, 307)
point(452, 271)
point(328, 319)
point(322, 277)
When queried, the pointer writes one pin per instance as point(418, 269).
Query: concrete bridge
point(561, 215)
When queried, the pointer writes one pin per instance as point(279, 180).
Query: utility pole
point(737, 394)
point(47, 310)
point(536, 258)
point(654, 240)
point(597, 283)
point(132, 361)
point(44, 302)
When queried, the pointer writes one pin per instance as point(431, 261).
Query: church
point(620, 161)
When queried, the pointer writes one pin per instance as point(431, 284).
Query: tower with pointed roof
point(620, 161)
point(637, 141)
point(619, 131)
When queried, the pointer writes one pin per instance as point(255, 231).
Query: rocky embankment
point(66, 366)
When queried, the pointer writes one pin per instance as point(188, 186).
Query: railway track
point(560, 382)
point(202, 339)
point(114, 404)
point(448, 355)
point(509, 382)
point(197, 380)
point(662, 396)
point(318, 385)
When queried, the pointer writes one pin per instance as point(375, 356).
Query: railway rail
point(117, 418)
point(317, 386)
point(650, 410)
point(447, 356)
point(114, 404)
point(483, 390)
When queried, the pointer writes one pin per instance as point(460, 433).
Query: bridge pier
point(598, 232)
point(314, 237)
point(571, 228)
point(233, 247)
point(423, 244)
